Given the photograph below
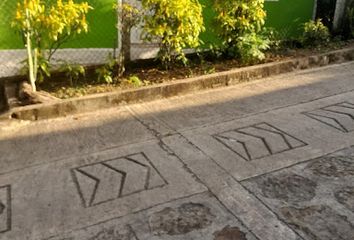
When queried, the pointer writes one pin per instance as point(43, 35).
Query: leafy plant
point(239, 24)
point(135, 81)
point(42, 66)
point(209, 70)
point(175, 24)
point(45, 27)
point(129, 13)
point(283, 40)
point(315, 33)
point(105, 74)
point(252, 47)
point(72, 71)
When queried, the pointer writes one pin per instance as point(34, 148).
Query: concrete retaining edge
point(174, 88)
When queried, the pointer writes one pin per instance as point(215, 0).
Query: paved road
point(267, 160)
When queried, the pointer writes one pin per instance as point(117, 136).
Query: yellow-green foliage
point(239, 17)
point(241, 22)
point(315, 33)
point(176, 24)
point(47, 27)
point(61, 19)
point(129, 14)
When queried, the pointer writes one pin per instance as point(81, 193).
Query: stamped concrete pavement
point(267, 160)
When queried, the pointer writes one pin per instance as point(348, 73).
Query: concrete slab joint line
point(57, 198)
point(255, 176)
point(111, 179)
point(315, 197)
point(339, 116)
point(231, 194)
point(258, 141)
point(5, 209)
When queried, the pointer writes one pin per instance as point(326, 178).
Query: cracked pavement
point(271, 159)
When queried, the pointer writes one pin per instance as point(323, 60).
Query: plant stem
point(31, 70)
point(35, 62)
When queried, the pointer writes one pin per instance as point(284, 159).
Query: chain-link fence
point(140, 49)
point(87, 49)
point(102, 39)
point(92, 48)
point(285, 16)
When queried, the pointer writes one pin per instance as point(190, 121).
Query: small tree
point(129, 16)
point(240, 24)
point(45, 29)
point(175, 24)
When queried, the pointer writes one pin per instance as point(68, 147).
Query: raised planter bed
point(106, 100)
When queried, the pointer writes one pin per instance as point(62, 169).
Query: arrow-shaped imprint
point(5, 208)
point(99, 183)
point(108, 180)
point(339, 116)
point(257, 141)
point(2, 207)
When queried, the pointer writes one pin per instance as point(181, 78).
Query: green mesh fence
point(102, 22)
point(286, 16)
point(88, 49)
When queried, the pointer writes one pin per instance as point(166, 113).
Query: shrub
point(135, 81)
point(175, 24)
point(240, 24)
point(283, 39)
point(46, 27)
point(105, 74)
point(315, 33)
point(252, 47)
point(72, 71)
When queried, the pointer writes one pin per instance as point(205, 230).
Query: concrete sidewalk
point(267, 160)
